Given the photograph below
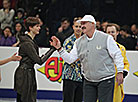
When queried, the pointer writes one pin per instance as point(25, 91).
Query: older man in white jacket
point(97, 52)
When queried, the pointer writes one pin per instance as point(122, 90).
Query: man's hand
point(60, 29)
point(7, 10)
point(119, 78)
point(55, 42)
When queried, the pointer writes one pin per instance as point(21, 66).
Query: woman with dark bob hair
point(24, 79)
point(7, 38)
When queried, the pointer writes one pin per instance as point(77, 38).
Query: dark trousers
point(18, 98)
point(103, 91)
point(72, 91)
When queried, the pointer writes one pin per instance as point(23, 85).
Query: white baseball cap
point(89, 18)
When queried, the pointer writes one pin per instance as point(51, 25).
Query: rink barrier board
point(54, 95)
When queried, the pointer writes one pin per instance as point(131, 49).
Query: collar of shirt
point(92, 36)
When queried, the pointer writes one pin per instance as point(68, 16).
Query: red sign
point(56, 66)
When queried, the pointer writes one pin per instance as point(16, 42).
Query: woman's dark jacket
point(24, 79)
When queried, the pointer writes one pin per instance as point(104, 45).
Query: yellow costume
point(118, 90)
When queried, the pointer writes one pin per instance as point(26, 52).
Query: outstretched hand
point(15, 58)
point(55, 42)
point(12, 58)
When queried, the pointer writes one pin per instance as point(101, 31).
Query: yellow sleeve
point(126, 63)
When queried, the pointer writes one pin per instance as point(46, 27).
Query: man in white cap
point(97, 52)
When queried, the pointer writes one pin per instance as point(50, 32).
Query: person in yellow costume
point(113, 29)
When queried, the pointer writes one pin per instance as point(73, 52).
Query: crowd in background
point(12, 26)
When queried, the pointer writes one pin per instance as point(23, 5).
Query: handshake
point(55, 42)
